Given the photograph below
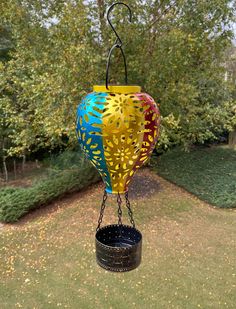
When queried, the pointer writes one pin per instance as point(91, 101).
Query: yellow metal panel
point(123, 129)
point(117, 89)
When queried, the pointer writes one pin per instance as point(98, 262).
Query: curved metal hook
point(110, 23)
point(108, 64)
point(118, 42)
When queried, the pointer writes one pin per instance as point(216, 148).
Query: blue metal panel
point(89, 130)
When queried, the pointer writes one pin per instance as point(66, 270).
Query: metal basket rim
point(118, 248)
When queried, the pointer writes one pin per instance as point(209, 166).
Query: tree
point(6, 44)
point(47, 76)
point(230, 76)
point(174, 49)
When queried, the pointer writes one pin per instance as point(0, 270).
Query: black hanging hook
point(118, 42)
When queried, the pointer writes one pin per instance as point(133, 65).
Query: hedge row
point(16, 202)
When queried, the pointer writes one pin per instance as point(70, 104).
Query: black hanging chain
point(103, 205)
point(130, 212)
point(119, 201)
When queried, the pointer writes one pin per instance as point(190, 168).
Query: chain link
point(130, 212)
point(119, 201)
point(103, 205)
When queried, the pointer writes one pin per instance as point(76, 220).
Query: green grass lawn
point(209, 173)
point(189, 261)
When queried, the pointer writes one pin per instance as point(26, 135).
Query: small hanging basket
point(118, 247)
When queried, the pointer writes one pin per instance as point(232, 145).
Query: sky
point(234, 27)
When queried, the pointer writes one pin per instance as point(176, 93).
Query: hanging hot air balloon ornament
point(117, 128)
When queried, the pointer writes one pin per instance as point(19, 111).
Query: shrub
point(16, 202)
point(68, 159)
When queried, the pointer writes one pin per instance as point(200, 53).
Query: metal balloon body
point(117, 130)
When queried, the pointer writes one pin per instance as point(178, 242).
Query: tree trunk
point(14, 163)
point(101, 12)
point(5, 171)
point(232, 139)
point(23, 163)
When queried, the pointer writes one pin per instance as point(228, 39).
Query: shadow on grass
point(143, 185)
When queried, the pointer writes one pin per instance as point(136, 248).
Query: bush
point(68, 159)
point(7, 191)
point(16, 202)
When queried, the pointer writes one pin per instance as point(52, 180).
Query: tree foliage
point(175, 51)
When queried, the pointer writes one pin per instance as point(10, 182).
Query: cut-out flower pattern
point(117, 133)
